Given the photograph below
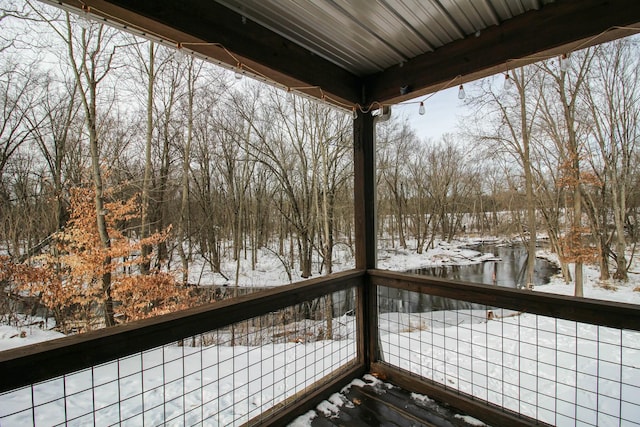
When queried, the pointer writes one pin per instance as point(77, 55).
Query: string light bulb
point(83, 19)
point(289, 95)
point(461, 93)
point(238, 74)
point(421, 110)
point(565, 62)
point(508, 83)
point(354, 113)
point(180, 53)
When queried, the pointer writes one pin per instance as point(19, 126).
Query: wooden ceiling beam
point(556, 28)
point(225, 36)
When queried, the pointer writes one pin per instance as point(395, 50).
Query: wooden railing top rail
point(39, 362)
point(597, 312)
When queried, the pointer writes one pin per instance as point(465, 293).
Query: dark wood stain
point(597, 312)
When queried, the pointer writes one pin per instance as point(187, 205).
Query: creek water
point(507, 270)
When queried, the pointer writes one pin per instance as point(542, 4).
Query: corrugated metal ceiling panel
point(366, 36)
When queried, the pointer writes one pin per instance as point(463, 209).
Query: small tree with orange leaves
point(574, 245)
point(69, 277)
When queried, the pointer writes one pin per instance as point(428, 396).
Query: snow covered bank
point(28, 331)
point(611, 290)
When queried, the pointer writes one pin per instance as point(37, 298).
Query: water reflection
point(508, 270)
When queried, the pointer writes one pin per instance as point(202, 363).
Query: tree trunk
point(531, 213)
point(87, 73)
point(146, 182)
point(100, 210)
point(184, 203)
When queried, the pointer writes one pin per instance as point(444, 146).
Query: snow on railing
point(550, 359)
point(281, 349)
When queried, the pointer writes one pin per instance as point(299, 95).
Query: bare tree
point(193, 72)
point(91, 56)
point(149, 71)
point(563, 127)
point(395, 139)
point(57, 133)
point(210, 181)
point(612, 97)
point(419, 202)
point(17, 98)
point(509, 132)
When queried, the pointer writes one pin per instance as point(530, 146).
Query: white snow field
point(560, 372)
point(215, 385)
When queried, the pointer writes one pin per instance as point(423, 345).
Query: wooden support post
point(364, 164)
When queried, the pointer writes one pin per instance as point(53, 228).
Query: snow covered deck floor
point(375, 403)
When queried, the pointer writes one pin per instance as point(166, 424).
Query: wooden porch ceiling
point(221, 34)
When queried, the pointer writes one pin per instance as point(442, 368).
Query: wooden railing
point(27, 366)
point(25, 369)
point(574, 340)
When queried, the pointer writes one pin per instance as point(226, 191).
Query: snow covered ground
point(26, 331)
point(553, 370)
point(558, 371)
point(216, 385)
point(612, 290)
point(270, 272)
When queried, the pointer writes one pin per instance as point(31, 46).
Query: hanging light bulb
point(238, 74)
point(289, 95)
point(421, 109)
point(565, 62)
point(461, 93)
point(508, 83)
point(354, 113)
point(83, 19)
point(180, 53)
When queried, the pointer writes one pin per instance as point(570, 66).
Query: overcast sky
point(441, 111)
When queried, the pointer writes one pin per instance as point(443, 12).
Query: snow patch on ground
point(17, 336)
point(470, 420)
point(304, 420)
point(421, 398)
point(610, 290)
point(443, 253)
point(328, 408)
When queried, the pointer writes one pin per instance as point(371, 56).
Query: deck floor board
point(377, 404)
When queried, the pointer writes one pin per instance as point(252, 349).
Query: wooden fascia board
point(556, 28)
point(224, 36)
